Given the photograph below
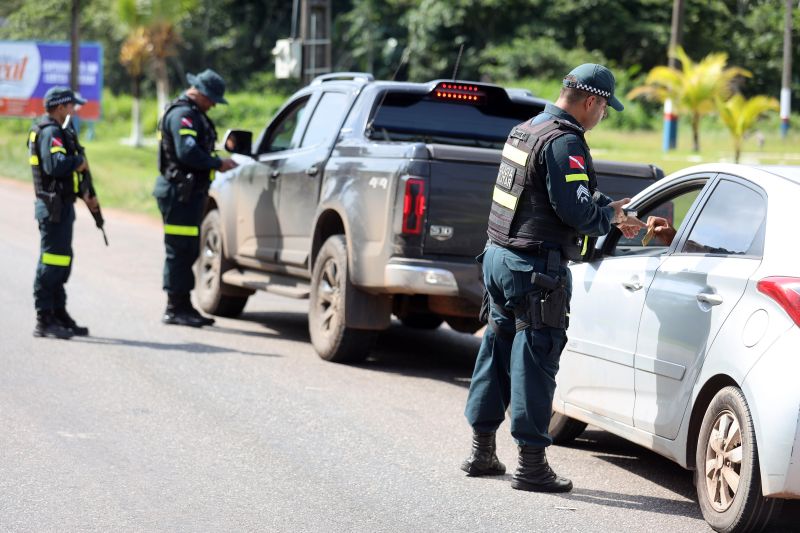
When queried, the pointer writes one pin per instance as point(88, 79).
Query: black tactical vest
point(522, 216)
point(45, 186)
point(168, 163)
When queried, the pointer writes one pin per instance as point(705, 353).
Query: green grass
point(124, 175)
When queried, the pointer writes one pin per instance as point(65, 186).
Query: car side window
point(673, 210)
point(326, 120)
point(732, 222)
point(283, 131)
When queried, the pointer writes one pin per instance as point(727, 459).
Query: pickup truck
point(370, 198)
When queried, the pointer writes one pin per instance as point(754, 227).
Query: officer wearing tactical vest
point(187, 162)
point(545, 210)
point(58, 170)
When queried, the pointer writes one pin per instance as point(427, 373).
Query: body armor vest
point(168, 163)
point(522, 216)
point(45, 186)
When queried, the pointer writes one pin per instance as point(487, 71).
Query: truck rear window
point(414, 118)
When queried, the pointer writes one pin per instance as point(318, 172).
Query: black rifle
point(85, 187)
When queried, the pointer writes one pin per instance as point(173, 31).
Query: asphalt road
point(241, 427)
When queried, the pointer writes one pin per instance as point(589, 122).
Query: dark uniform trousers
point(181, 234)
point(515, 367)
point(55, 259)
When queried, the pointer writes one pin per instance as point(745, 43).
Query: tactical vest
point(522, 216)
point(46, 186)
point(168, 163)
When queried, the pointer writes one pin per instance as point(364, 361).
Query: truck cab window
point(282, 135)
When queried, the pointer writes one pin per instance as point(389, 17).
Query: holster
point(54, 204)
point(546, 305)
point(186, 184)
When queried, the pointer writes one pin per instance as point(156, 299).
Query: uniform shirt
point(188, 127)
point(53, 154)
point(566, 162)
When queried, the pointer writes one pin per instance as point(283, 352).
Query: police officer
point(545, 208)
point(187, 162)
point(58, 169)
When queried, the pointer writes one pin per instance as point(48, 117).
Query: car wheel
point(211, 264)
point(464, 324)
point(421, 321)
point(564, 429)
point(331, 291)
point(728, 476)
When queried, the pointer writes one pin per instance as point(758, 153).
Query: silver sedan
point(687, 340)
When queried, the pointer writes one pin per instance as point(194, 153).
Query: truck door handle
point(632, 285)
point(275, 174)
point(312, 170)
point(709, 298)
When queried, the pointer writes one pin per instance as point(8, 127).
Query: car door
point(691, 295)
point(608, 295)
point(257, 185)
point(300, 174)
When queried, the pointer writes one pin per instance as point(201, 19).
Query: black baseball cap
point(61, 95)
point(595, 79)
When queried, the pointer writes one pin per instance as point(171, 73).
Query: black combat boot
point(180, 311)
point(483, 461)
point(48, 326)
point(534, 474)
point(63, 318)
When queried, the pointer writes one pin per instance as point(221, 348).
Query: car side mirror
point(239, 142)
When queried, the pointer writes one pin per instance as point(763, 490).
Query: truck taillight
point(785, 291)
point(414, 206)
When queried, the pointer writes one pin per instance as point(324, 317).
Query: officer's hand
point(631, 227)
point(227, 164)
point(84, 166)
point(619, 214)
point(91, 203)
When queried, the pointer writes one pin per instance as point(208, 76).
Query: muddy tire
point(211, 264)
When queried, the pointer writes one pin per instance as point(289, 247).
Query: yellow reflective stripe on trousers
point(516, 155)
point(585, 245)
point(183, 231)
point(56, 260)
point(576, 177)
point(186, 131)
point(34, 160)
point(55, 149)
point(509, 201)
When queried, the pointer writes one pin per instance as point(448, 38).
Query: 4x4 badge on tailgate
point(441, 233)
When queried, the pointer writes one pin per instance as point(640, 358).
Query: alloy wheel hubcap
point(723, 461)
point(329, 295)
point(210, 259)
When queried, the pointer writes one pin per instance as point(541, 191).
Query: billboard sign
point(28, 69)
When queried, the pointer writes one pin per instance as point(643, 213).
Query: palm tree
point(740, 115)
point(133, 55)
point(694, 88)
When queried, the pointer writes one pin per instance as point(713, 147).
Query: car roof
point(791, 173)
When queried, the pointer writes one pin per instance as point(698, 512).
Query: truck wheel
point(331, 290)
point(728, 476)
point(464, 324)
point(211, 264)
point(421, 321)
point(564, 429)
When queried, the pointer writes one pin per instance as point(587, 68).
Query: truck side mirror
point(239, 142)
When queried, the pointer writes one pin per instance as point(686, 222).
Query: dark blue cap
point(61, 95)
point(210, 84)
point(595, 79)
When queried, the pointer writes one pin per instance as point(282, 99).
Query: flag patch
point(57, 142)
point(577, 161)
point(186, 121)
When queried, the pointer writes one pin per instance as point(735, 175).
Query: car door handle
point(632, 285)
point(709, 298)
point(312, 170)
point(275, 174)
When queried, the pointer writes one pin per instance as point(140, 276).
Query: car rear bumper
point(773, 394)
point(420, 276)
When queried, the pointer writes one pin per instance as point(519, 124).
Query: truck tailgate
point(459, 198)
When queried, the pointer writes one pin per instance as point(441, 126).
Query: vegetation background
point(520, 43)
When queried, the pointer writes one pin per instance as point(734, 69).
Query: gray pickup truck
point(370, 198)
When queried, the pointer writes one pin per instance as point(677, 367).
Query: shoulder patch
point(187, 121)
point(56, 141)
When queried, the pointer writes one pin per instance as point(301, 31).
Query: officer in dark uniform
point(58, 170)
point(544, 211)
point(187, 162)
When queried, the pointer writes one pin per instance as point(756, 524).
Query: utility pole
point(670, 140)
point(786, 92)
point(75, 42)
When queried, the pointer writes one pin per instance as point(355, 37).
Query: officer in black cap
point(187, 162)
point(57, 169)
point(545, 209)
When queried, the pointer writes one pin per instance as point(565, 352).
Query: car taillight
point(785, 291)
point(414, 206)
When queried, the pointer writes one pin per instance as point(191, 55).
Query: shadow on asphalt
point(285, 325)
point(190, 347)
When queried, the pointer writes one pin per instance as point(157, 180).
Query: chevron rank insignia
point(583, 194)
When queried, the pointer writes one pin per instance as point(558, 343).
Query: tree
point(694, 88)
point(133, 55)
point(740, 115)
